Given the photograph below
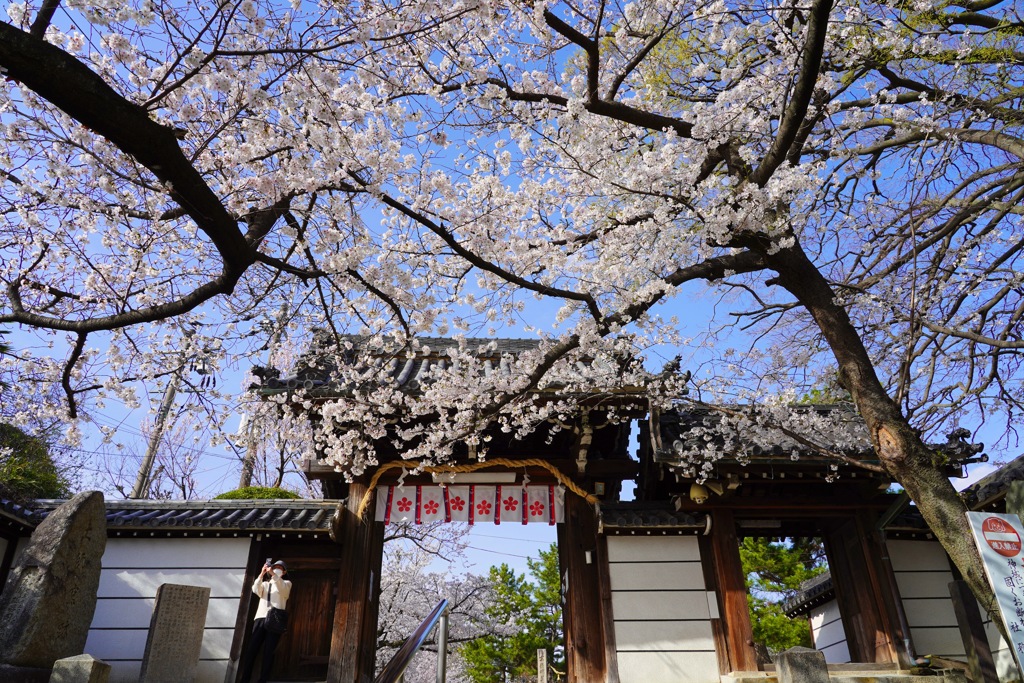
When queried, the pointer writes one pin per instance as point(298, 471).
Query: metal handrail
point(395, 669)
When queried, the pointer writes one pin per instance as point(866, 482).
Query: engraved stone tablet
point(175, 634)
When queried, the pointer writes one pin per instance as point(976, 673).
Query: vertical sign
point(999, 541)
point(542, 666)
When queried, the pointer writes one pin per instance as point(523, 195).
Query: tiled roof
point(632, 518)
point(993, 486)
point(813, 592)
point(685, 425)
point(17, 517)
point(318, 370)
point(175, 517)
point(841, 429)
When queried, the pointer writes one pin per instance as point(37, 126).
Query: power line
point(498, 552)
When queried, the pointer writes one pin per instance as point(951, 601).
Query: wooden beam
point(582, 610)
point(353, 638)
point(732, 592)
point(605, 579)
point(243, 626)
point(972, 631)
point(707, 563)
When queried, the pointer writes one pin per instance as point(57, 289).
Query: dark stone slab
point(50, 597)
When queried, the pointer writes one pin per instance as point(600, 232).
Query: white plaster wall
point(660, 610)
point(922, 575)
point(1006, 667)
point(133, 569)
point(828, 633)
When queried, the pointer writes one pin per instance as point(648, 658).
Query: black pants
point(266, 639)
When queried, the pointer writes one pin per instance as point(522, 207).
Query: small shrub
point(251, 492)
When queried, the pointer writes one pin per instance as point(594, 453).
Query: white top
point(279, 590)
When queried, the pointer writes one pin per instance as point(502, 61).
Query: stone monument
point(801, 665)
point(50, 596)
point(80, 669)
point(175, 634)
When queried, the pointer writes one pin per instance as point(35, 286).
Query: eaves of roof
point(211, 517)
point(17, 517)
point(319, 376)
point(814, 592)
point(649, 519)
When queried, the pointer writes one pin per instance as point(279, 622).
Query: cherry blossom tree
point(843, 178)
point(411, 587)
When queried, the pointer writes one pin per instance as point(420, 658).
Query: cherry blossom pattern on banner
point(472, 504)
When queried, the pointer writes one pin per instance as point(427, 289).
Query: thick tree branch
point(72, 87)
point(796, 112)
point(43, 19)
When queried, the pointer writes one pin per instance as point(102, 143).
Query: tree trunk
point(899, 447)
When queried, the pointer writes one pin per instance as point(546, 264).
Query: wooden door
point(303, 652)
point(863, 602)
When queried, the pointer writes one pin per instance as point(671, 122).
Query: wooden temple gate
point(653, 587)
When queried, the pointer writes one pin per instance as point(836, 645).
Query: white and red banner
point(471, 503)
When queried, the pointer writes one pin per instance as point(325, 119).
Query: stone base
point(23, 674)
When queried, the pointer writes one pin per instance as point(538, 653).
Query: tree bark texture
point(899, 447)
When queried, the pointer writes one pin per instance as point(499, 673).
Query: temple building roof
point(200, 517)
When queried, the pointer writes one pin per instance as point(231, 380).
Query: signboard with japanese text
point(998, 538)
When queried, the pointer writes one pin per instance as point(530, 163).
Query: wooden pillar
point(354, 637)
point(732, 592)
point(972, 631)
point(865, 599)
point(718, 632)
point(604, 576)
point(582, 616)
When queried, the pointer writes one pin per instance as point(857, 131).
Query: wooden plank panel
point(656, 576)
point(653, 549)
point(916, 555)
point(668, 667)
point(175, 552)
point(931, 584)
point(666, 606)
point(691, 636)
point(610, 658)
point(732, 592)
point(355, 613)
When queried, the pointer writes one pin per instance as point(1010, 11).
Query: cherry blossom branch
point(71, 86)
point(65, 378)
point(795, 114)
point(483, 264)
point(799, 438)
point(43, 19)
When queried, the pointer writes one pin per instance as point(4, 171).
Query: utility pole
point(249, 461)
point(144, 478)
